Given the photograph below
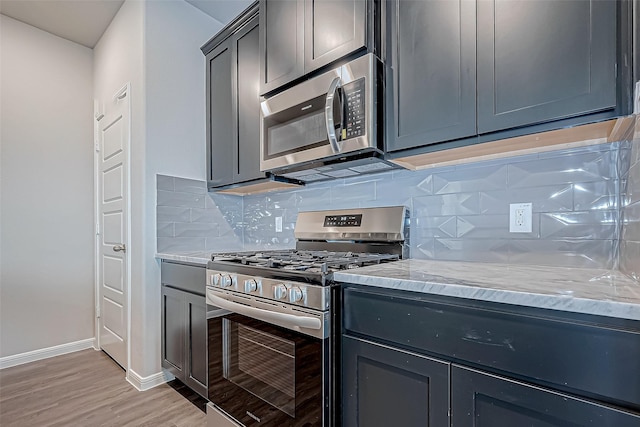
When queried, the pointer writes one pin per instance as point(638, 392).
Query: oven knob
point(250, 285)
point(225, 281)
point(280, 291)
point(295, 295)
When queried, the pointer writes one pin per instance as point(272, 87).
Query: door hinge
point(97, 228)
point(97, 311)
point(97, 146)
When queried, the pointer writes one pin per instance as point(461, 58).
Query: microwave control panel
point(353, 95)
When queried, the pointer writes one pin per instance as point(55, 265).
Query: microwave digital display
point(343, 220)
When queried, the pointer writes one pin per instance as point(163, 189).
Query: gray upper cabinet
point(544, 60)
point(431, 72)
point(246, 73)
point(281, 42)
point(333, 29)
point(463, 72)
point(298, 37)
point(233, 105)
point(220, 169)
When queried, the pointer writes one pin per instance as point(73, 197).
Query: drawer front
point(571, 352)
point(185, 277)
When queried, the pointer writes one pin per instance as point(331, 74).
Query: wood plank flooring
point(87, 388)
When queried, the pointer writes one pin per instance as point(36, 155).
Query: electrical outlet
point(278, 224)
point(520, 217)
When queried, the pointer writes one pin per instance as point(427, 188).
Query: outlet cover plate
point(520, 218)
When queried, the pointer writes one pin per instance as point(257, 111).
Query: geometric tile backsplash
point(457, 212)
point(630, 212)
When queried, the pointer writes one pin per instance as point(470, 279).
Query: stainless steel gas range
point(273, 317)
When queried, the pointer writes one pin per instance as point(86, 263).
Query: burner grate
point(318, 262)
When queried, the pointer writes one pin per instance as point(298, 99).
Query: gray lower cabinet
point(413, 359)
point(384, 386)
point(233, 104)
point(479, 399)
point(298, 37)
point(184, 324)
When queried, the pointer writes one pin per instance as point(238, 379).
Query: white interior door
point(112, 162)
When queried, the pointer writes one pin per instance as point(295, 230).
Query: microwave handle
point(292, 321)
point(328, 115)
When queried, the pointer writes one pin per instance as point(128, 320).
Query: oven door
point(324, 117)
point(265, 375)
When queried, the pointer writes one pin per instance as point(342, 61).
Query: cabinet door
point(173, 331)
point(382, 386)
point(484, 400)
point(431, 84)
point(332, 29)
point(281, 42)
point(220, 135)
point(196, 343)
point(544, 60)
point(246, 72)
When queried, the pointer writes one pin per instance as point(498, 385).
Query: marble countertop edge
point(194, 257)
point(527, 299)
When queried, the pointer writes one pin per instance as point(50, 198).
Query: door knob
point(118, 248)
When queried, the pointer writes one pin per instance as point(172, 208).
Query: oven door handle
point(328, 115)
point(290, 320)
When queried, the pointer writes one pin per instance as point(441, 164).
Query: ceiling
point(84, 21)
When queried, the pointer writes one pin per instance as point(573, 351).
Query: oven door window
point(260, 363)
point(265, 375)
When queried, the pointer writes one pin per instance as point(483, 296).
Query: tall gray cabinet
point(233, 104)
point(463, 69)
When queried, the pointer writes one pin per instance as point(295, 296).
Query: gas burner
point(318, 262)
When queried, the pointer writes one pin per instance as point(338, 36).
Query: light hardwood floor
point(87, 388)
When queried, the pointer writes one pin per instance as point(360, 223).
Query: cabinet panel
point(483, 400)
point(173, 328)
point(333, 29)
point(540, 345)
point(221, 136)
point(540, 61)
point(383, 386)
point(196, 343)
point(281, 42)
point(431, 84)
point(246, 69)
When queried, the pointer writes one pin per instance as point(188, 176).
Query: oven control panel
point(286, 291)
point(343, 220)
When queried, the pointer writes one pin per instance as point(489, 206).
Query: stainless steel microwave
point(327, 126)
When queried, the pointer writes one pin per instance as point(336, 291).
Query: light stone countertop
point(199, 257)
point(591, 291)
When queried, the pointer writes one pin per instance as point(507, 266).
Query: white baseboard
point(45, 353)
point(146, 383)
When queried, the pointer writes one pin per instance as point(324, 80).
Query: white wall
point(46, 226)
point(155, 46)
point(175, 127)
point(118, 59)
